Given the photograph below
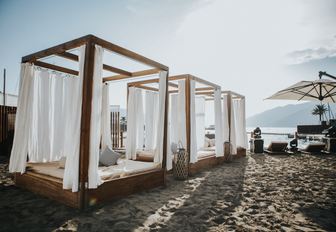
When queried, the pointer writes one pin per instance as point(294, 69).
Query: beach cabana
point(62, 124)
point(188, 96)
point(234, 116)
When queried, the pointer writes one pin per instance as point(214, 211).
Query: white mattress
point(122, 169)
point(126, 168)
point(204, 154)
point(213, 148)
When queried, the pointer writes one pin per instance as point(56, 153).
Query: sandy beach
point(256, 193)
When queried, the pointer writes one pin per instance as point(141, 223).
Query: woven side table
point(181, 164)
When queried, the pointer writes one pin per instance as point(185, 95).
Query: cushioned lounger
point(277, 148)
point(122, 169)
point(313, 148)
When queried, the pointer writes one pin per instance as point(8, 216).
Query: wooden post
point(187, 103)
point(85, 123)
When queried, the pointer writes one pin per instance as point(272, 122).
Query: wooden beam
point(205, 82)
point(134, 74)
point(178, 77)
point(204, 88)
point(106, 67)
point(116, 70)
point(68, 56)
point(84, 154)
point(145, 87)
point(132, 55)
point(56, 49)
point(56, 68)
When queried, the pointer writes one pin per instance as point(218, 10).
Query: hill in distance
point(286, 116)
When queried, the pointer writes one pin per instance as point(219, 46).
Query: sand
point(256, 193)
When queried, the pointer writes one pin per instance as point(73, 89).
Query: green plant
point(320, 110)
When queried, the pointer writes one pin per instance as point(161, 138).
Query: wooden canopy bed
point(46, 179)
point(206, 156)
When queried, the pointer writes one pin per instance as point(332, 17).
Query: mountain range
point(286, 116)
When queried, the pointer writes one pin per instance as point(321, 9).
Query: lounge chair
point(277, 148)
point(313, 148)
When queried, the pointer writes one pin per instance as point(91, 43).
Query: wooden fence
point(7, 123)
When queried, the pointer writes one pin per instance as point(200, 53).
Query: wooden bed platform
point(52, 187)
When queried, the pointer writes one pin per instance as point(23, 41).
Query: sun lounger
point(277, 148)
point(313, 148)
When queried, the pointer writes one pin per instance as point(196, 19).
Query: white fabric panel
point(241, 123)
point(135, 122)
point(57, 116)
point(43, 117)
point(139, 117)
point(106, 140)
point(169, 153)
point(23, 122)
point(96, 116)
point(218, 123)
point(226, 128)
point(151, 118)
point(74, 90)
point(131, 125)
point(233, 134)
point(173, 119)
point(181, 114)
point(158, 155)
point(193, 130)
point(200, 121)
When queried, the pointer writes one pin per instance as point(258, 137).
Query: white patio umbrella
point(322, 90)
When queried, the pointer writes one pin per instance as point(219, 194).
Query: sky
point(254, 48)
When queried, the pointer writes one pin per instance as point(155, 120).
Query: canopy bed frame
point(207, 90)
point(52, 187)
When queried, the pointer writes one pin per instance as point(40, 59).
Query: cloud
point(306, 55)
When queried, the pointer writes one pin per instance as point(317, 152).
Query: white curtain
point(226, 127)
point(218, 123)
point(173, 119)
point(58, 102)
point(158, 156)
point(151, 112)
point(181, 114)
point(23, 122)
point(200, 121)
point(74, 92)
point(106, 140)
point(233, 134)
point(131, 125)
point(193, 130)
point(135, 122)
point(96, 116)
point(241, 123)
point(139, 116)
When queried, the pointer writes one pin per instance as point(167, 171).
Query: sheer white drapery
point(151, 119)
point(240, 123)
point(158, 155)
point(218, 123)
point(140, 122)
point(106, 140)
point(233, 134)
point(23, 122)
point(96, 117)
point(200, 121)
point(226, 127)
point(181, 114)
point(131, 125)
point(135, 122)
point(193, 130)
